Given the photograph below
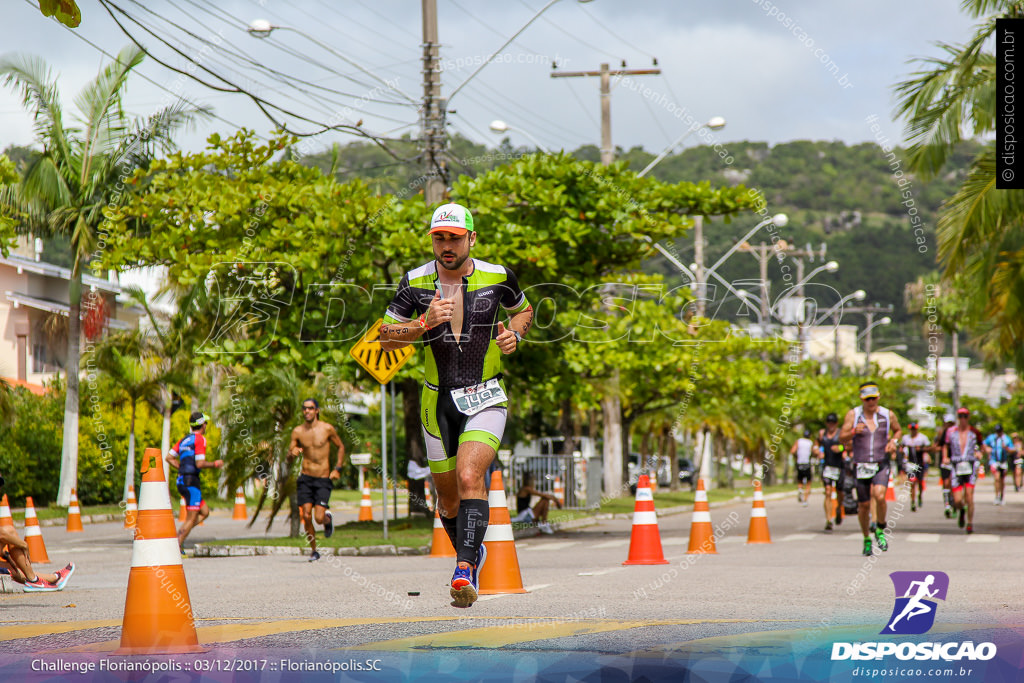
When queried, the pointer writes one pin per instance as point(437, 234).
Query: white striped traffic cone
point(33, 536)
point(74, 514)
point(366, 506)
point(131, 509)
point(645, 539)
point(702, 537)
point(157, 610)
point(500, 574)
point(239, 512)
point(559, 490)
point(758, 532)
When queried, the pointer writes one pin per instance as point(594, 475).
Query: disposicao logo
point(914, 614)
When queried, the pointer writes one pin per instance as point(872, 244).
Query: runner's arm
point(294, 449)
point(846, 432)
point(336, 440)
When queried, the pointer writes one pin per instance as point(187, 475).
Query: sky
point(792, 70)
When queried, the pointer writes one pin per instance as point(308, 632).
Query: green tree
point(65, 189)
point(979, 234)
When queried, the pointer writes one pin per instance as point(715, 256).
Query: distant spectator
point(538, 512)
point(14, 560)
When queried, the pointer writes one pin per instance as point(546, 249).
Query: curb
point(201, 550)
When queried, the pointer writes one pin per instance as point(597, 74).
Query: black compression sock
point(451, 527)
point(473, 517)
point(881, 525)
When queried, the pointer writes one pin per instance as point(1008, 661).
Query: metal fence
point(572, 472)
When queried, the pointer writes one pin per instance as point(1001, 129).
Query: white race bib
point(866, 470)
point(471, 400)
point(964, 468)
point(831, 473)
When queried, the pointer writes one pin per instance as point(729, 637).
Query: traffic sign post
point(382, 366)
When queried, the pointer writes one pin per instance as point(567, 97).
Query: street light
point(867, 332)
point(859, 295)
point(261, 28)
point(499, 126)
point(714, 123)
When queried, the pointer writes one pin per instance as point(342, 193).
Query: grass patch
point(403, 532)
point(666, 499)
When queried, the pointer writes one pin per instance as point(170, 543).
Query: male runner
point(188, 456)
point(312, 440)
point(803, 450)
point(832, 468)
point(1018, 460)
point(945, 469)
point(453, 303)
point(871, 432)
point(963, 441)
point(915, 461)
point(1000, 451)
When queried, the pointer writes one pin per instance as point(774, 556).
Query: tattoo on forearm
point(529, 319)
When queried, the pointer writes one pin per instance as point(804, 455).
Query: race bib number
point(964, 468)
point(1018, 462)
point(471, 400)
point(866, 470)
point(831, 473)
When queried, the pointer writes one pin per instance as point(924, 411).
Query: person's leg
point(473, 513)
point(864, 505)
point(827, 503)
point(318, 514)
point(191, 517)
point(204, 512)
point(306, 517)
point(540, 510)
point(969, 495)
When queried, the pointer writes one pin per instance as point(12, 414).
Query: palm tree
point(79, 173)
point(979, 230)
point(135, 364)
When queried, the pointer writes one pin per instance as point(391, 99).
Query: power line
point(145, 77)
point(600, 50)
point(612, 33)
point(263, 104)
point(491, 28)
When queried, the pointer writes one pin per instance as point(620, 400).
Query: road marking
point(923, 538)
point(522, 630)
point(731, 539)
point(556, 545)
point(34, 630)
point(675, 540)
point(799, 537)
point(610, 544)
point(528, 589)
point(607, 571)
point(983, 538)
point(226, 633)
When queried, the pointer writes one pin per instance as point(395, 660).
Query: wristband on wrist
point(338, 469)
point(422, 320)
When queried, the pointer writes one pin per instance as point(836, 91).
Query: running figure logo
point(914, 612)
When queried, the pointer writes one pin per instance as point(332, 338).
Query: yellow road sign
point(381, 365)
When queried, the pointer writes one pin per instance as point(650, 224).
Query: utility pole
point(605, 74)
point(432, 115)
point(869, 312)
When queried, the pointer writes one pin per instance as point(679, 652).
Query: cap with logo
point(963, 411)
point(832, 417)
point(197, 420)
point(912, 425)
point(453, 218)
point(869, 391)
point(999, 427)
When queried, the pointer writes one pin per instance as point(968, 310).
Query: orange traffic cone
point(890, 491)
point(559, 490)
point(74, 514)
point(240, 512)
point(365, 506)
point(5, 513)
point(428, 496)
point(33, 536)
point(131, 509)
point(645, 541)
point(182, 511)
point(157, 609)
point(500, 574)
point(702, 538)
point(440, 544)
point(758, 532)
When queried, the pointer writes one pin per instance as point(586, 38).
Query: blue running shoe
point(463, 591)
point(481, 557)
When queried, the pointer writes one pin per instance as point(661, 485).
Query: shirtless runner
point(313, 440)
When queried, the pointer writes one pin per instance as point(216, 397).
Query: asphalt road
point(790, 599)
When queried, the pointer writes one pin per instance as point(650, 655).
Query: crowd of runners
point(858, 459)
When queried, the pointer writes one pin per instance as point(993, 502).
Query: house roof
point(55, 307)
point(34, 388)
point(51, 270)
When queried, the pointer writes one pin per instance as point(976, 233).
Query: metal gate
point(572, 472)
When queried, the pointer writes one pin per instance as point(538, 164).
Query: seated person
point(14, 560)
point(538, 512)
